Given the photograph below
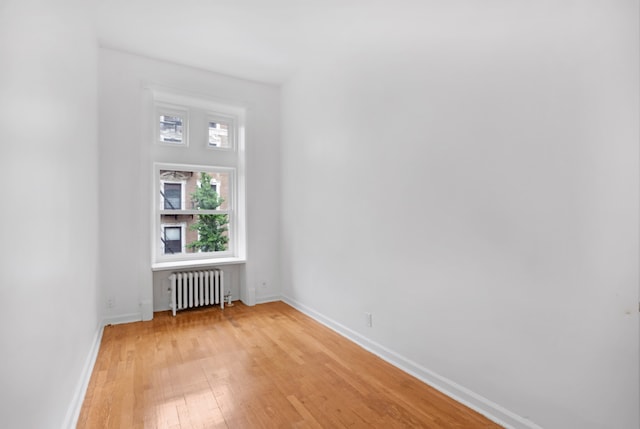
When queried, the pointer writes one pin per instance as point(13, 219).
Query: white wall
point(125, 179)
point(49, 321)
point(477, 192)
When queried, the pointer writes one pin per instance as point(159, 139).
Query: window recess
point(198, 202)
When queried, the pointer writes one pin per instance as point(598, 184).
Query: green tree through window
point(212, 228)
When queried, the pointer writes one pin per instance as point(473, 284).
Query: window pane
point(211, 191)
point(208, 233)
point(172, 233)
point(171, 129)
point(172, 240)
point(172, 196)
point(189, 190)
point(215, 194)
point(219, 134)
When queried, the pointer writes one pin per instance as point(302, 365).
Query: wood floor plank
point(267, 366)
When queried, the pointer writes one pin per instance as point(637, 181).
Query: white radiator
point(196, 289)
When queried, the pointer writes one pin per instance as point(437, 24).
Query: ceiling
point(267, 40)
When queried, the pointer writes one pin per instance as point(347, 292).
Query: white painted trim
point(73, 412)
point(196, 263)
point(269, 298)
point(482, 405)
point(119, 319)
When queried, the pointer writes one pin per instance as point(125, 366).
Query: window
point(196, 210)
point(198, 182)
point(172, 239)
point(171, 125)
point(172, 196)
point(171, 129)
point(221, 132)
point(215, 186)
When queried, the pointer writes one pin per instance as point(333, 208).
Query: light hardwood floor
point(267, 366)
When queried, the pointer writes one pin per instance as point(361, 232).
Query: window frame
point(231, 211)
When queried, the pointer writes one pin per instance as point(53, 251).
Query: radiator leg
point(200, 289)
point(173, 294)
point(221, 283)
point(180, 288)
point(207, 274)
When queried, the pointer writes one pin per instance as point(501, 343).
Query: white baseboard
point(476, 402)
point(122, 318)
point(71, 419)
point(270, 298)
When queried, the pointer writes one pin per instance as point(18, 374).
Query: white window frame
point(231, 212)
point(162, 109)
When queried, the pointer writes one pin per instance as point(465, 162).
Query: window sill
point(196, 263)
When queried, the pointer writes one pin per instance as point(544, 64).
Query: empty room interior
point(387, 200)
